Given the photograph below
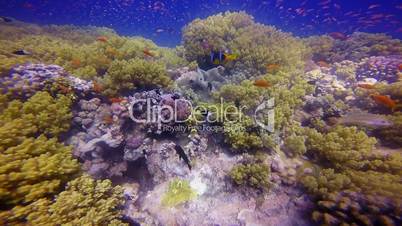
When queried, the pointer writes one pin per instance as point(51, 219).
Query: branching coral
point(344, 147)
point(255, 175)
point(179, 191)
point(84, 202)
point(255, 44)
point(33, 169)
point(41, 113)
point(295, 145)
point(33, 166)
point(351, 171)
point(126, 75)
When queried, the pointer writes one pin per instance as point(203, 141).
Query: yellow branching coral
point(33, 169)
point(41, 113)
point(84, 202)
point(126, 75)
point(256, 45)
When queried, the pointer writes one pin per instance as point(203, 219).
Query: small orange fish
point(385, 101)
point(97, 87)
point(322, 63)
point(148, 53)
point(272, 67)
point(76, 63)
point(108, 119)
point(117, 99)
point(101, 39)
point(366, 86)
point(400, 67)
point(262, 83)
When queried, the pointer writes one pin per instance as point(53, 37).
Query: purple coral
point(380, 68)
point(25, 80)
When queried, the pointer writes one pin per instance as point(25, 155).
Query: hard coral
point(126, 75)
point(255, 175)
point(84, 202)
point(255, 44)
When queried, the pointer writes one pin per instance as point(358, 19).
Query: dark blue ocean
point(162, 21)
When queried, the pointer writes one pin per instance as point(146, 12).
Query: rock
point(277, 164)
point(292, 172)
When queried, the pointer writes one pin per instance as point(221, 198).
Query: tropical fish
point(217, 57)
point(230, 57)
point(400, 67)
point(182, 155)
point(386, 101)
point(76, 63)
point(97, 87)
point(338, 36)
point(148, 53)
point(374, 6)
point(272, 67)
point(364, 119)
point(22, 52)
point(366, 86)
point(262, 83)
point(159, 30)
point(322, 63)
point(117, 99)
point(101, 39)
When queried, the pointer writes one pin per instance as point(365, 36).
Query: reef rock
point(381, 68)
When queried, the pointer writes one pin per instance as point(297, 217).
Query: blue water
point(162, 21)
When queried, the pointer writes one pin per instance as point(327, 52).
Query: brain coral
point(256, 45)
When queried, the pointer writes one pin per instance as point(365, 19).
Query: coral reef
point(33, 166)
point(255, 44)
point(254, 175)
point(357, 46)
point(125, 75)
point(85, 201)
point(25, 80)
point(380, 68)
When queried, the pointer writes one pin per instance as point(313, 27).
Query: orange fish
point(366, 86)
point(117, 99)
point(101, 39)
point(262, 83)
point(148, 53)
point(76, 63)
point(97, 87)
point(272, 67)
point(322, 64)
point(400, 67)
point(386, 101)
point(108, 119)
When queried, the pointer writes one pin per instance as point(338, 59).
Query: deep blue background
point(145, 17)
